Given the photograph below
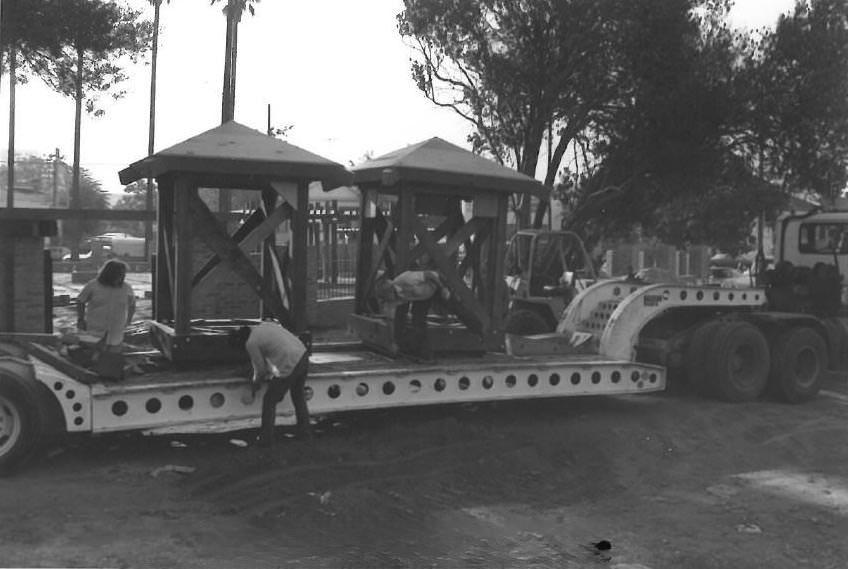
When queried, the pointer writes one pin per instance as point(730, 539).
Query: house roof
point(233, 148)
point(436, 161)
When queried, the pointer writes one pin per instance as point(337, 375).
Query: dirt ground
point(670, 481)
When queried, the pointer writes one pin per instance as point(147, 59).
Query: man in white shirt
point(420, 288)
point(279, 356)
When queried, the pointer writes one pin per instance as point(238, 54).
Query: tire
point(696, 356)
point(21, 424)
point(738, 362)
point(526, 323)
point(799, 360)
point(837, 339)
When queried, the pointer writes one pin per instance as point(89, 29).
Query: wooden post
point(48, 292)
point(269, 201)
point(365, 248)
point(183, 187)
point(498, 290)
point(403, 247)
point(300, 223)
point(164, 279)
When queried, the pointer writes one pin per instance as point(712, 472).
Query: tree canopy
point(649, 113)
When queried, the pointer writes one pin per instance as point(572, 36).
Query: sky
point(336, 70)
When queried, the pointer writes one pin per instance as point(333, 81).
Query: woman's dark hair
point(112, 273)
point(239, 336)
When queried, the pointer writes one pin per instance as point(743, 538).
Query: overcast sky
point(335, 69)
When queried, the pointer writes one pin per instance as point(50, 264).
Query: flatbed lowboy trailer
point(43, 394)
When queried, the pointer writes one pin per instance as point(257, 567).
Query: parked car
point(729, 277)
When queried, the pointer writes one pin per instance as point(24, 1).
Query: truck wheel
point(20, 422)
point(799, 359)
point(696, 356)
point(738, 362)
point(526, 323)
point(837, 339)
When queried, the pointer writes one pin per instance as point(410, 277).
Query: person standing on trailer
point(105, 306)
point(279, 357)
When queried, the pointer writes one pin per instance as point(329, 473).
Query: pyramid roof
point(235, 149)
point(436, 161)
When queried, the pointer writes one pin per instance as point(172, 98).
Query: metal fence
point(336, 270)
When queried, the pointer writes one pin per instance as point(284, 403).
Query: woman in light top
point(106, 305)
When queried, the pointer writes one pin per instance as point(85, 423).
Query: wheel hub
point(806, 366)
point(10, 425)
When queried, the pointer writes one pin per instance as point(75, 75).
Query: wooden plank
point(387, 228)
point(298, 269)
point(497, 262)
point(185, 198)
point(405, 231)
point(363, 263)
point(52, 358)
point(164, 283)
point(381, 251)
point(252, 222)
point(217, 239)
point(247, 244)
point(269, 203)
point(469, 311)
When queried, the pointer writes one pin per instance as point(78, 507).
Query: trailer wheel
point(20, 421)
point(526, 323)
point(696, 356)
point(738, 362)
point(799, 359)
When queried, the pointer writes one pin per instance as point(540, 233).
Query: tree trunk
point(148, 197)
point(10, 171)
point(233, 62)
point(226, 91)
point(75, 184)
point(529, 161)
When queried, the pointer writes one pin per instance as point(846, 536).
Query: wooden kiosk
point(200, 265)
point(434, 205)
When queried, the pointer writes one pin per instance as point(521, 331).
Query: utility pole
point(56, 158)
point(148, 197)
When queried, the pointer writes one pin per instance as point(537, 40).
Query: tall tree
point(517, 71)
point(27, 29)
point(101, 37)
point(233, 11)
point(803, 70)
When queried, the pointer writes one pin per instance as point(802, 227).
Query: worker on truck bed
point(418, 288)
point(279, 356)
point(105, 306)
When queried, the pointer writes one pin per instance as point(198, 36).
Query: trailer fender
point(580, 310)
point(621, 332)
point(70, 399)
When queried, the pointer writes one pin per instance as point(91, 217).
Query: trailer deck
point(339, 381)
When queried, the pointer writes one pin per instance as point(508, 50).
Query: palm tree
point(233, 12)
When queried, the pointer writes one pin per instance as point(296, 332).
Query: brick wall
point(27, 296)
